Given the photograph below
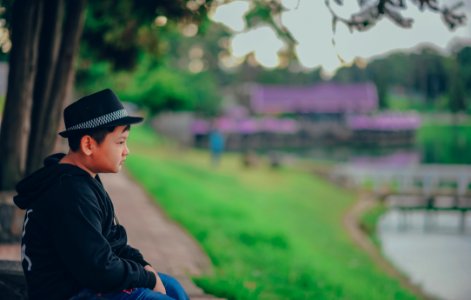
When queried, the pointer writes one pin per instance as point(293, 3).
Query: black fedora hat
point(99, 110)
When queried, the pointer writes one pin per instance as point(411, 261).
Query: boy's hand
point(159, 286)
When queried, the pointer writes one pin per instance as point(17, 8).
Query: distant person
point(274, 158)
point(73, 246)
point(216, 145)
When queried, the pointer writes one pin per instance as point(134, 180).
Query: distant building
point(320, 99)
point(303, 116)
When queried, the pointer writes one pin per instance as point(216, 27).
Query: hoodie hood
point(32, 187)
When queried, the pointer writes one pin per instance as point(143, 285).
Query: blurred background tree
point(426, 75)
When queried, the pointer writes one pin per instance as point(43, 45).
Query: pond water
point(384, 156)
point(434, 250)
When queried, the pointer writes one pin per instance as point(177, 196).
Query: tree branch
point(373, 10)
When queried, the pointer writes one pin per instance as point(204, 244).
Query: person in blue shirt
point(216, 145)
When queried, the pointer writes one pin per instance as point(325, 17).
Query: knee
point(173, 287)
point(168, 280)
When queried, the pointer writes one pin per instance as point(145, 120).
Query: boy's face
point(109, 156)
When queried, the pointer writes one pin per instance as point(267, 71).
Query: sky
point(310, 23)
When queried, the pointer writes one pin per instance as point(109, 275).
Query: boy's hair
point(97, 134)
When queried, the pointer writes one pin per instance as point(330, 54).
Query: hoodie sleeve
point(133, 254)
point(75, 226)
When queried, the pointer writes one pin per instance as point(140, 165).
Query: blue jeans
point(174, 292)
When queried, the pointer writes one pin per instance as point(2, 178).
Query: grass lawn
point(369, 220)
point(2, 105)
point(270, 234)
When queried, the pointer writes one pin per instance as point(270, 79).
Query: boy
point(72, 245)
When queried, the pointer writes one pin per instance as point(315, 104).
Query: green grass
point(270, 234)
point(2, 105)
point(369, 221)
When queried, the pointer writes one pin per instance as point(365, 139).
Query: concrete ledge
point(12, 281)
point(11, 218)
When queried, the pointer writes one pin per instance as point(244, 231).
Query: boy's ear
point(87, 145)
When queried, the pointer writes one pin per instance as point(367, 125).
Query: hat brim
point(119, 122)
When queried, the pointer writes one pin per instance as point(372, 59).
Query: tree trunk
point(42, 137)
point(15, 124)
point(47, 58)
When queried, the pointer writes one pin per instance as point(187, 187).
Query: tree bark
point(42, 138)
point(47, 59)
point(16, 117)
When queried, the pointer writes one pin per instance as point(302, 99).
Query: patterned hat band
point(101, 120)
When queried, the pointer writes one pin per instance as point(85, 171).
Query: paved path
point(163, 243)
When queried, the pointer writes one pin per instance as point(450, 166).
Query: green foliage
point(123, 49)
point(427, 73)
point(92, 75)
point(265, 13)
point(158, 88)
point(397, 102)
point(258, 14)
point(463, 61)
point(270, 234)
point(460, 87)
point(375, 72)
point(153, 86)
point(457, 100)
point(118, 31)
point(369, 221)
point(448, 144)
point(430, 73)
point(285, 77)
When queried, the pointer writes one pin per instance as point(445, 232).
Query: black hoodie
point(70, 238)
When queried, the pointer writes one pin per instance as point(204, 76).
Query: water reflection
point(435, 153)
point(432, 249)
point(360, 155)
